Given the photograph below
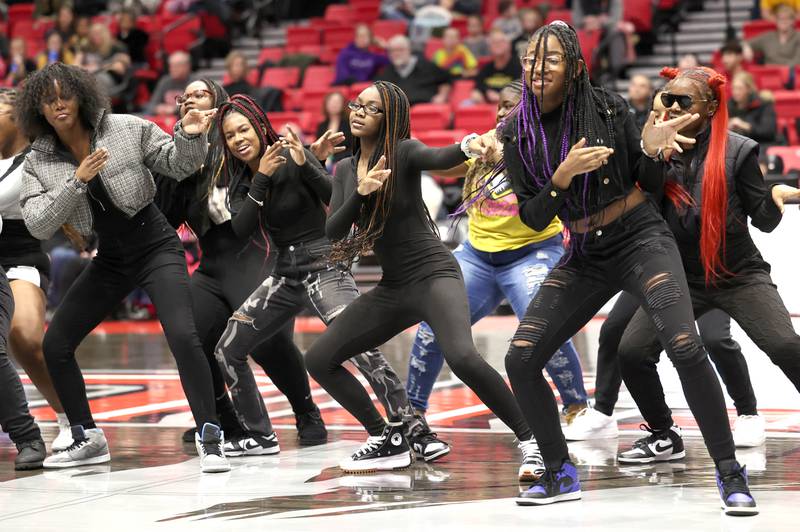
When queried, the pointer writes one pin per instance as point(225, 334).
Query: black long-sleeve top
point(408, 250)
point(294, 198)
point(761, 117)
point(748, 196)
point(539, 205)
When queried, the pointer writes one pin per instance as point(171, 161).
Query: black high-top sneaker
point(310, 428)
point(659, 446)
point(381, 453)
point(425, 443)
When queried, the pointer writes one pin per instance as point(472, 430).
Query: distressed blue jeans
point(489, 278)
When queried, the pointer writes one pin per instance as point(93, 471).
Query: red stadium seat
point(386, 29)
point(299, 36)
point(431, 46)
point(322, 25)
point(273, 55)
point(310, 100)
point(337, 38)
point(166, 123)
point(787, 104)
point(440, 139)
point(281, 77)
point(358, 88)
point(316, 77)
point(462, 90)
point(588, 41)
point(430, 116)
point(365, 13)
point(279, 119)
point(477, 118)
point(789, 154)
point(461, 25)
point(640, 13)
point(182, 37)
point(769, 77)
point(18, 12)
point(340, 13)
point(559, 14)
point(755, 27)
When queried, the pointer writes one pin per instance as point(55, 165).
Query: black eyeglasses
point(370, 109)
point(684, 100)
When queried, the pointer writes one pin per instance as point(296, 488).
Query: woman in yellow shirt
point(502, 259)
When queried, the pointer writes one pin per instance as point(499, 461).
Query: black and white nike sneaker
point(253, 445)
point(659, 446)
point(425, 443)
point(381, 453)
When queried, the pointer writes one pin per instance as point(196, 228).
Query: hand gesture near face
point(664, 135)
point(375, 178)
point(327, 145)
point(91, 165)
point(272, 159)
point(296, 150)
point(580, 160)
point(195, 121)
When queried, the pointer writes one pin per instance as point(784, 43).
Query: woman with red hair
point(724, 269)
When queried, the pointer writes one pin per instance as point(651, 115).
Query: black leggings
point(636, 253)
point(715, 332)
point(150, 256)
point(754, 303)
point(222, 282)
point(377, 316)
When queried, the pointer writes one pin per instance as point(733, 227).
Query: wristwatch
point(465, 146)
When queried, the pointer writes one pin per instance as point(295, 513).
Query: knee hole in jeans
point(529, 332)
point(662, 290)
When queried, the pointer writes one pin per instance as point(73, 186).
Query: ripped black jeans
point(302, 279)
point(636, 253)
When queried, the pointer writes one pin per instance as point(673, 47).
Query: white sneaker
point(64, 438)
point(88, 447)
point(210, 447)
point(532, 466)
point(590, 424)
point(749, 431)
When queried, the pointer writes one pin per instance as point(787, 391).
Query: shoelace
point(427, 437)
point(214, 448)
point(76, 444)
point(530, 451)
point(734, 482)
point(647, 440)
point(373, 442)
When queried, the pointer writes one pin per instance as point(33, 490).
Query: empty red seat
point(366, 13)
point(273, 55)
point(440, 139)
point(640, 13)
point(789, 154)
point(787, 104)
point(280, 119)
point(462, 90)
point(430, 116)
point(281, 77)
point(166, 123)
point(358, 88)
point(559, 14)
point(337, 38)
point(769, 77)
point(297, 36)
point(386, 29)
point(431, 46)
point(477, 118)
point(588, 41)
point(340, 13)
point(755, 27)
point(316, 77)
point(310, 100)
point(182, 37)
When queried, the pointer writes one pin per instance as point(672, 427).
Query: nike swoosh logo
point(564, 484)
point(660, 449)
point(251, 444)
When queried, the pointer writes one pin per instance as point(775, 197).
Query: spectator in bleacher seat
point(508, 20)
point(768, 7)
point(732, 61)
point(532, 19)
point(779, 47)
point(402, 9)
point(19, 65)
point(499, 72)
point(115, 77)
point(335, 111)
point(476, 38)
point(640, 99)
point(132, 37)
point(80, 39)
point(48, 8)
point(428, 22)
point(421, 80)
point(688, 61)
point(65, 23)
point(612, 53)
point(162, 102)
point(356, 62)
point(749, 114)
point(54, 52)
point(454, 57)
point(237, 69)
point(102, 43)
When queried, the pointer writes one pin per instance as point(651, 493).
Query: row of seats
point(754, 28)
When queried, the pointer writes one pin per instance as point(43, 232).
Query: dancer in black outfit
point(378, 191)
point(574, 150)
point(110, 191)
point(724, 268)
point(285, 198)
point(230, 269)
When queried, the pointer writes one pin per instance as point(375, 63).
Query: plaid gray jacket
point(51, 195)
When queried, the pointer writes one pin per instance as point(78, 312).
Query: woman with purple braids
point(574, 151)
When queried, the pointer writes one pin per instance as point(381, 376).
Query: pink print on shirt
point(499, 199)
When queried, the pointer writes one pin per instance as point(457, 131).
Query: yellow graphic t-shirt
point(494, 223)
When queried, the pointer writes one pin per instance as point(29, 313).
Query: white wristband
point(465, 146)
point(656, 157)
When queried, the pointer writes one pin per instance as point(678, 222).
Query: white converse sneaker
point(210, 448)
point(380, 453)
point(749, 431)
point(64, 438)
point(589, 424)
point(88, 447)
point(532, 466)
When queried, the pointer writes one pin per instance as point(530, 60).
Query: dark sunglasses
point(684, 100)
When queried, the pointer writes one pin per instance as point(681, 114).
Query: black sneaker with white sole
point(659, 446)
point(253, 445)
point(425, 443)
point(381, 453)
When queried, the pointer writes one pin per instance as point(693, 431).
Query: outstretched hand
point(195, 121)
point(783, 194)
point(663, 135)
point(296, 150)
point(375, 178)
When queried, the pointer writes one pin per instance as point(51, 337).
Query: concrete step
point(719, 5)
point(689, 48)
point(705, 27)
point(742, 15)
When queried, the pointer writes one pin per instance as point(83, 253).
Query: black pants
point(636, 253)
point(377, 316)
point(715, 332)
point(302, 279)
point(754, 303)
point(226, 276)
point(15, 419)
point(149, 256)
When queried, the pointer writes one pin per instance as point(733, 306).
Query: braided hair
point(395, 127)
point(714, 202)
point(211, 170)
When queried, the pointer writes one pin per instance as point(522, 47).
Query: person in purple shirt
point(356, 62)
